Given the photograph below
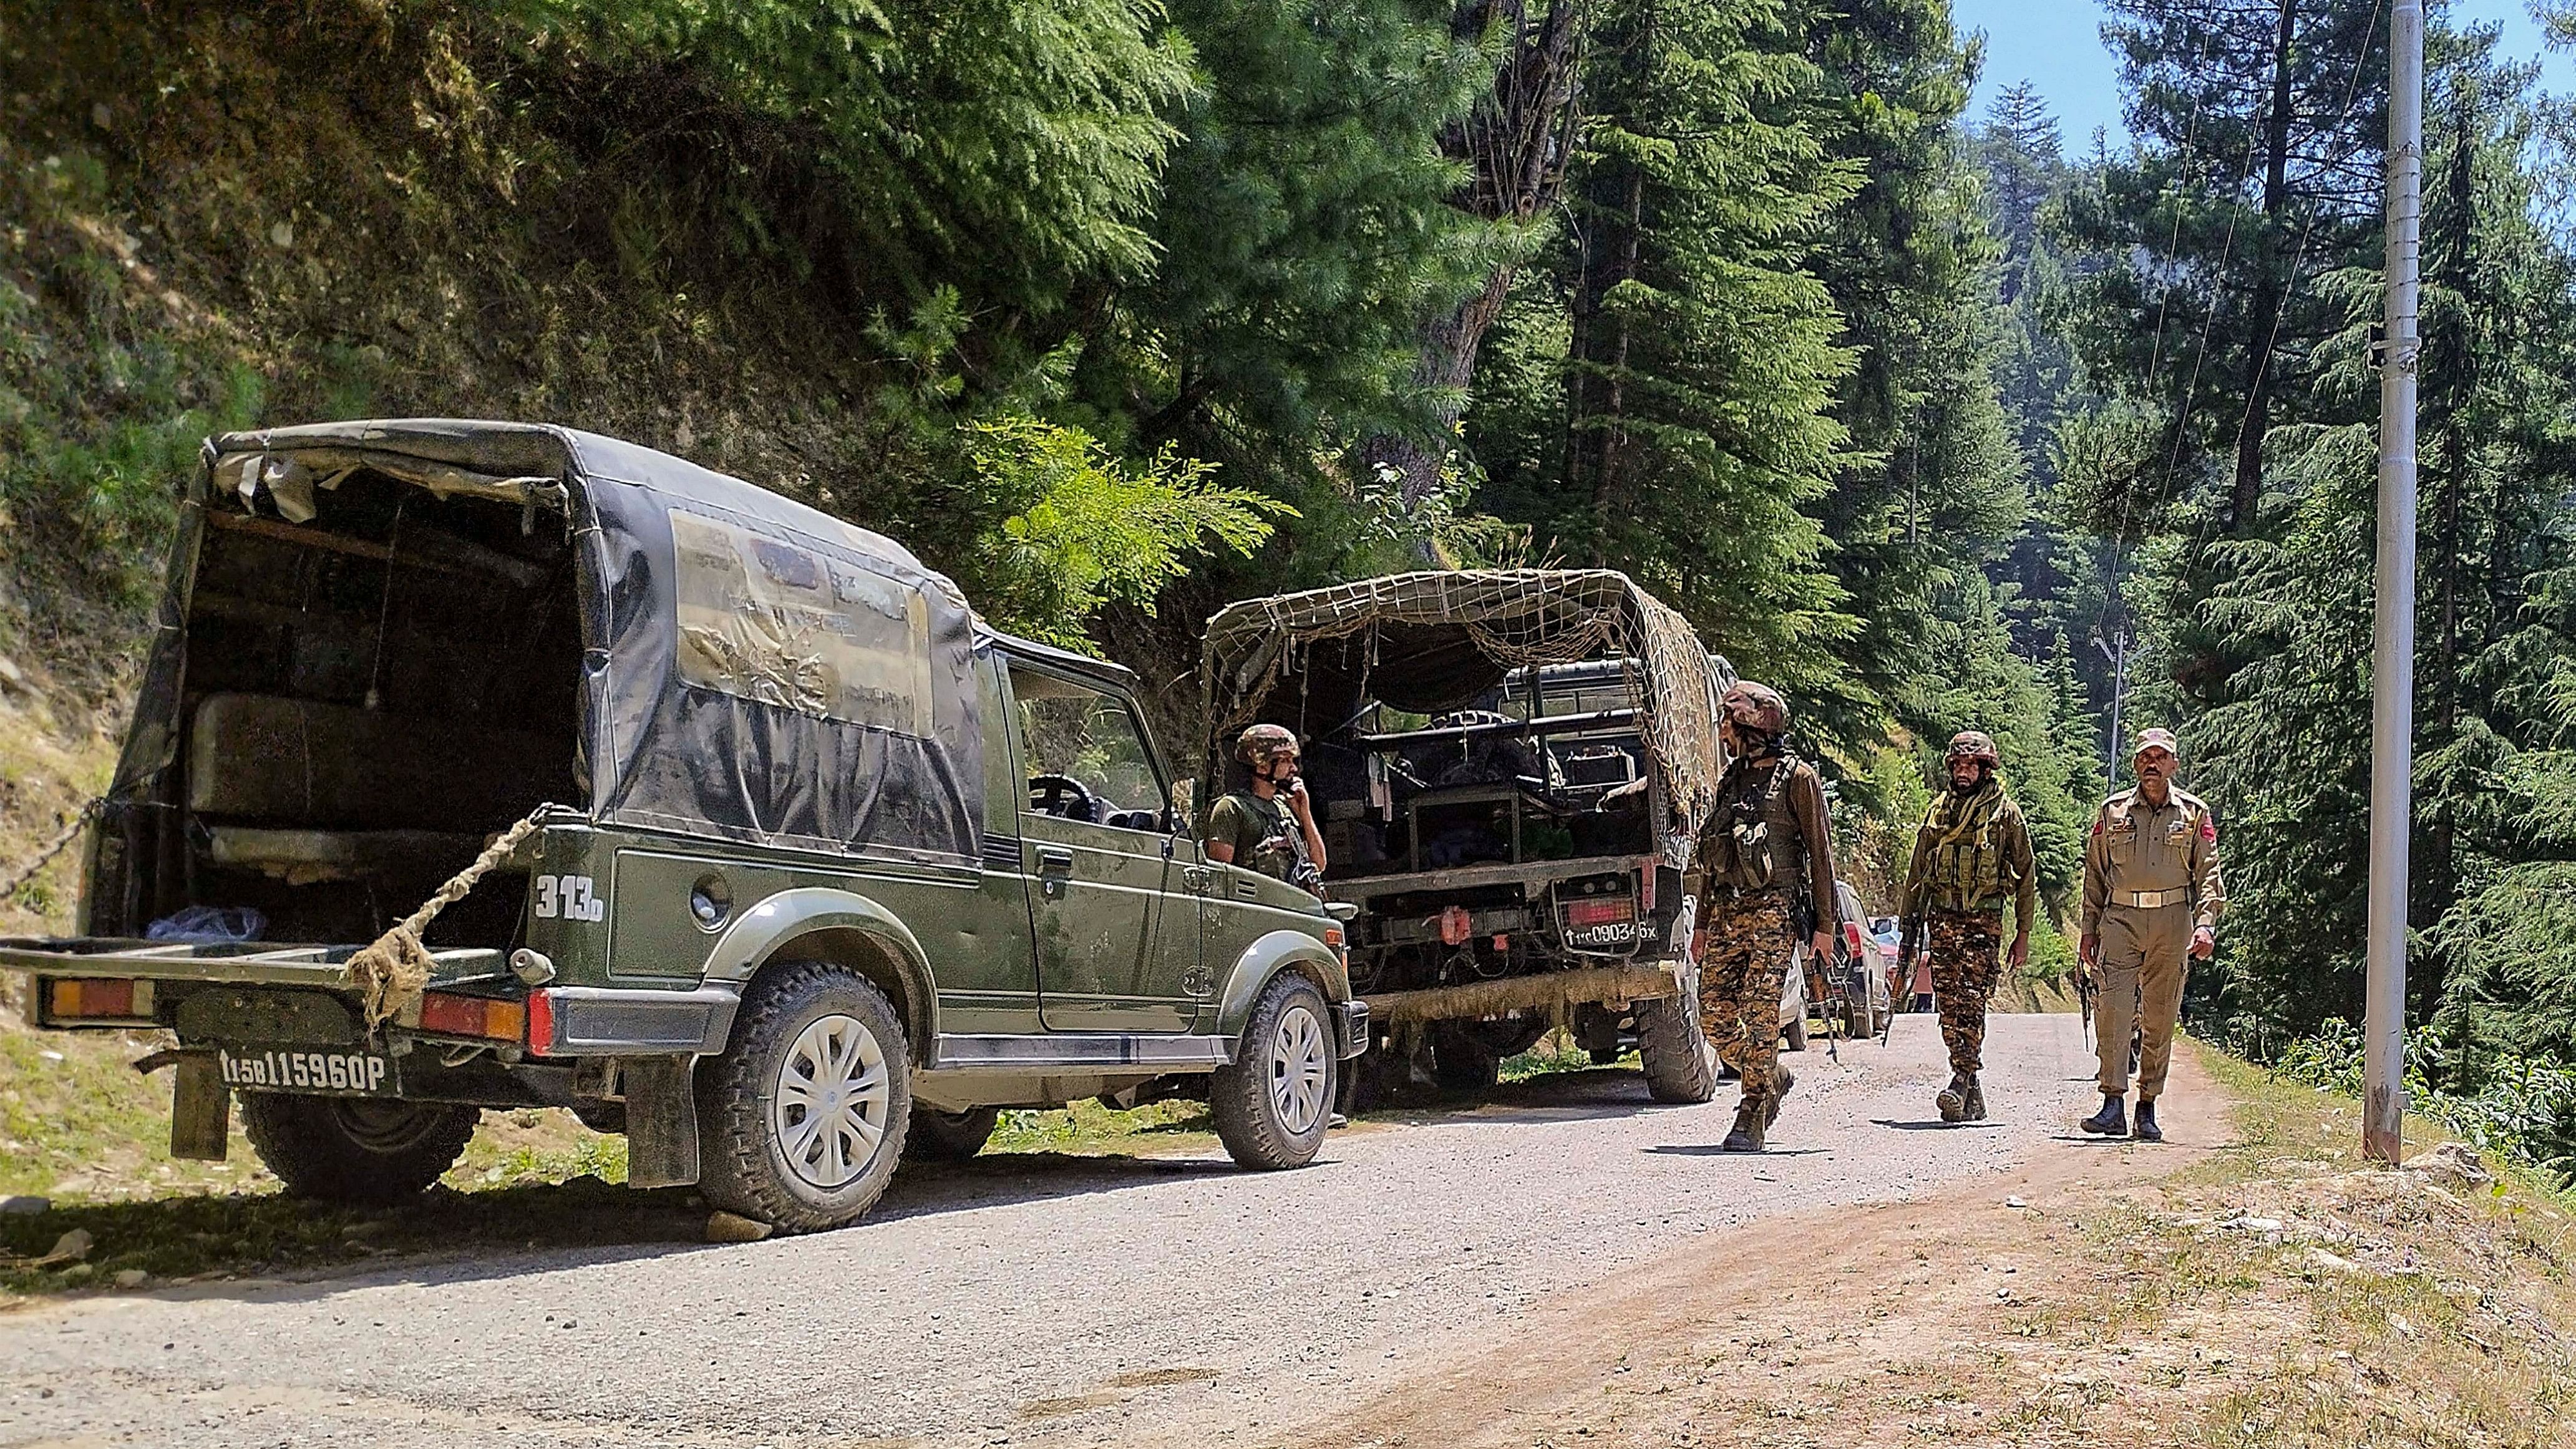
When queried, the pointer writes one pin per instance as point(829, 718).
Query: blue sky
point(2057, 45)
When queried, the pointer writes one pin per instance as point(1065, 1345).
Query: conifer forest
point(1933, 416)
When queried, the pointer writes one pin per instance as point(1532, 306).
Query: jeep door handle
point(1055, 867)
point(1197, 877)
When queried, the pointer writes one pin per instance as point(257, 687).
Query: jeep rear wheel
point(354, 1149)
point(1680, 1065)
point(806, 1112)
point(1273, 1104)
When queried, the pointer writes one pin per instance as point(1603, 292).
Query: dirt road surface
point(1069, 1301)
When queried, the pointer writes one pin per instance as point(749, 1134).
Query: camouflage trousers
point(1963, 945)
point(1750, 942)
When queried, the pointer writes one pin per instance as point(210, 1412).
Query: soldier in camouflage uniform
point(1971, 853)
point(1766, 859)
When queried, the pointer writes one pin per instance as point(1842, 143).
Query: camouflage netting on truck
point(1432, 642)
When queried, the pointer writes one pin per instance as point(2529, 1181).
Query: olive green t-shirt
point(1264, 835)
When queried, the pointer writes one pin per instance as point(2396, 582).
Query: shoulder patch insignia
point(2209, 829)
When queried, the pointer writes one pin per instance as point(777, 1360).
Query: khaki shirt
point(2136, 846)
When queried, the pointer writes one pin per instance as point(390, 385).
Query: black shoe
point(1953, 1101)
point(1974, 1107)
point(1782, 1079)
point(2111, 1121)
point(1747, 1136)
point(2147, 1130)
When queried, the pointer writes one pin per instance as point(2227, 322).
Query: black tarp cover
point(753, 668)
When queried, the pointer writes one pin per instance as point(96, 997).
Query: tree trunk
point(2270, 289)
point(1515, 145)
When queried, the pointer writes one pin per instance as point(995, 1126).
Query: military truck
point(1511, 767)
point(772, 855)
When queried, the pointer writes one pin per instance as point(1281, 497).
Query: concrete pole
point(2392, 671)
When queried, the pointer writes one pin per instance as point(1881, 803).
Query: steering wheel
point(1051, 794)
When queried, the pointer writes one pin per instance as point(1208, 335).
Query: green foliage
point(1089, 530)
point(1010, 147)
point(2521, 1107)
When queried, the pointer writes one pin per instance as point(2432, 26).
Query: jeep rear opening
point(1511, 767)
point(737, 833)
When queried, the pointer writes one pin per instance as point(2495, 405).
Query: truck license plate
point(308, 1070)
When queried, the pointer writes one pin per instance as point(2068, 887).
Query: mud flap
point(661, 1121)
point(201, 1110)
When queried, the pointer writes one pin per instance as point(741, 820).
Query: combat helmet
point(1263, 743)
point(1974, 745)
point(1755, 707)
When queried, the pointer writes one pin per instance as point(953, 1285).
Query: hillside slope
point(224, 214)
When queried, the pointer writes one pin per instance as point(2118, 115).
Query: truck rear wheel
point(806, 1113)
point(1680, 1065)
point(1273, 1104)
point(938, 1136)
point(356, 1149)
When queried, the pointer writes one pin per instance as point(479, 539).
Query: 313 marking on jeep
point(569, 896)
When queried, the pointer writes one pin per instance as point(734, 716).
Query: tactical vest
point(1756, 836)
point(1964, 858)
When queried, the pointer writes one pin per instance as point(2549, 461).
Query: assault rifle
point(1906, 946)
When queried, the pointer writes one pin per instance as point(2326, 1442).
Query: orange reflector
point(472, 1016)
point(1333, 937)
point(92, 1000)
point(1455, 925)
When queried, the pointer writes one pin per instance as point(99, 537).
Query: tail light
point(96, 1000)
point(1851, 936)
point(1580, 914)
point(541, 1023)
point(451, 1015)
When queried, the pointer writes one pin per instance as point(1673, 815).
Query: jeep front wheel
point(805, 1113)
point(353, 1149)
point(1272, 1105)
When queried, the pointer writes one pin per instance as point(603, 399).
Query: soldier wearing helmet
point(1766, 860)
point(2152, 897)
point(1268, 826)
point(1971, 853)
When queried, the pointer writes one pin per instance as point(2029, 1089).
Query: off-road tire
point(1680, 1065)
point(938, 1136)
point(356, 1149)
point(746, 1169)
point(1604, 1056)
point(1248, 1119)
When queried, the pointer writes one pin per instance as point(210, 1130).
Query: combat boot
point(1953, 1101)
point(2111, 1121)
point(1974, 1107)
point(1782, 1079)
point(1747, 1136)
point(2147, 1130)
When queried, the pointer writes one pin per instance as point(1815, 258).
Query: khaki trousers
point(2146, 955)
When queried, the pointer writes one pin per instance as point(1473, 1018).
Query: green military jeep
point(816, 870)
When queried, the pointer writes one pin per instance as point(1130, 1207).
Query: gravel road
point(1048, 1300)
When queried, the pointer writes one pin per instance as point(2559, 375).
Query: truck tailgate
point(251, 963)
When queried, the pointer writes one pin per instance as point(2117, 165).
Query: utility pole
point(2392, 660)
point(2119, 658)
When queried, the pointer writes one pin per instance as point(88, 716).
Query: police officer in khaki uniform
point(2151, 896)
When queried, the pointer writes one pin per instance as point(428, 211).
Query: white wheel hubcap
point(829, 1109)
point(1298, 1071)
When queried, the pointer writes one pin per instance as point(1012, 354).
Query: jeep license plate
point(311, 1070)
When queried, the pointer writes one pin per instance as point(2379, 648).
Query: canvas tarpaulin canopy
point(753, 668)
point(1433, 642)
